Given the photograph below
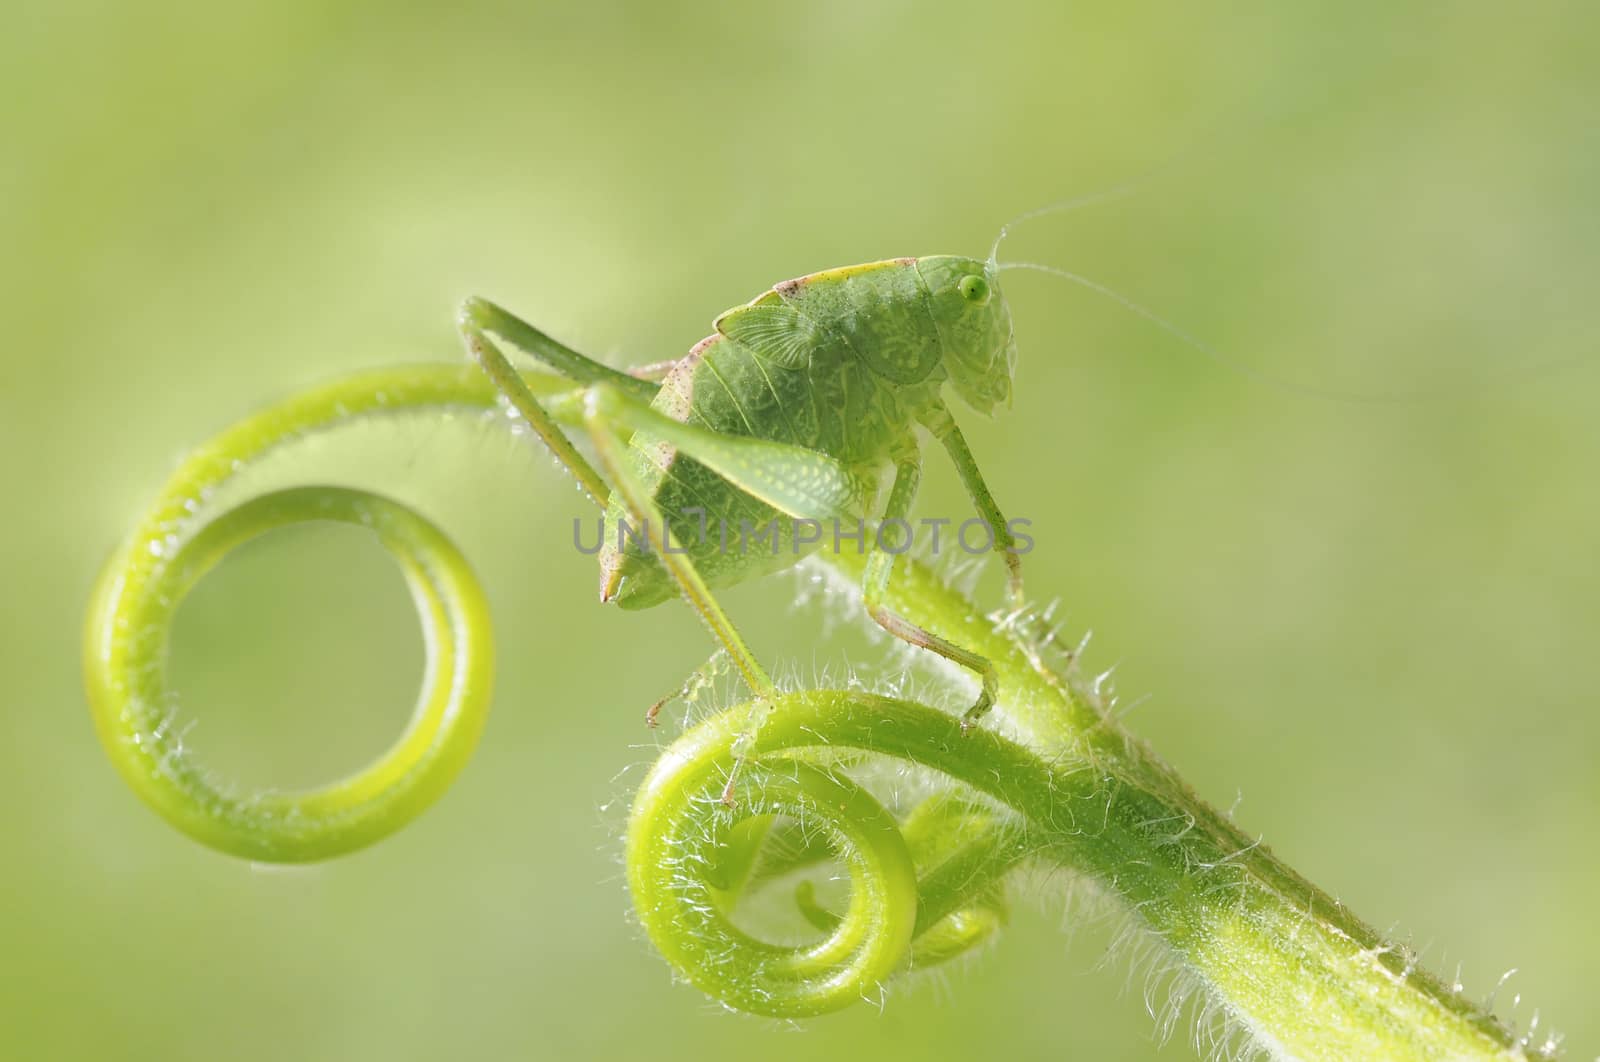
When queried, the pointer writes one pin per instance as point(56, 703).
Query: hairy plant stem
point(1056, 782)
point(1276, 955)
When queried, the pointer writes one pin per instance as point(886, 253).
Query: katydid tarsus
point(795, 407)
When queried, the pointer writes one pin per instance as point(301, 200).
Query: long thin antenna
point(1061, 206)
point(1325, 393)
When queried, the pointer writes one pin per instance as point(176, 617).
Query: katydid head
point(974, 325)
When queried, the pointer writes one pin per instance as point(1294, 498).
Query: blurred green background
point(1373, 621)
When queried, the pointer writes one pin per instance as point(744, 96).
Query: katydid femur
point(790, 409)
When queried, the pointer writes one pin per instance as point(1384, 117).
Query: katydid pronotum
point(793, 407)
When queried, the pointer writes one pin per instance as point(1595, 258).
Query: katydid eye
point(974, 289)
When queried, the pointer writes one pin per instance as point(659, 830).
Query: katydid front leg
point(943, 427)
point(875, 585)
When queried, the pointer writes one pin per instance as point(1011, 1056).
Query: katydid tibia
point(793, 407)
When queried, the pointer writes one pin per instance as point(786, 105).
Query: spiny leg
point(510, 384)
point(481, 316)
point(654, 372)
point(604, 410)
point(943, 427)
point(700, 679)
point(792, 479)
point(800, 483)
point(796, 481)
point(478, 317)
point(806, 484)
point(601, 406)
point(875, 586)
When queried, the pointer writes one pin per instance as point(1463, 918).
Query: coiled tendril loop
point(922, 890)
point(138, 596)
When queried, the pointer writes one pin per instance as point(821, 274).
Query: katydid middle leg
point(875, 586)
point(801, 483)
point(809, 485)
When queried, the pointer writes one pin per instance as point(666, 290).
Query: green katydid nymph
point(796, 406)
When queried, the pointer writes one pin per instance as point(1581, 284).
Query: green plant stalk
point(1277, 957)
point(176, 543)
point(1066, 786)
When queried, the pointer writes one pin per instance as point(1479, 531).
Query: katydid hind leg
point(482, 316)
point(800, 483)
point(700, 680)
point(875, 587)
point(511, 385)
point(610, 437)
point(654, 372)
point(478, 318)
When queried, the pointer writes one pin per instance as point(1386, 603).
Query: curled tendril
point(923, 891)
point(137, 598)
